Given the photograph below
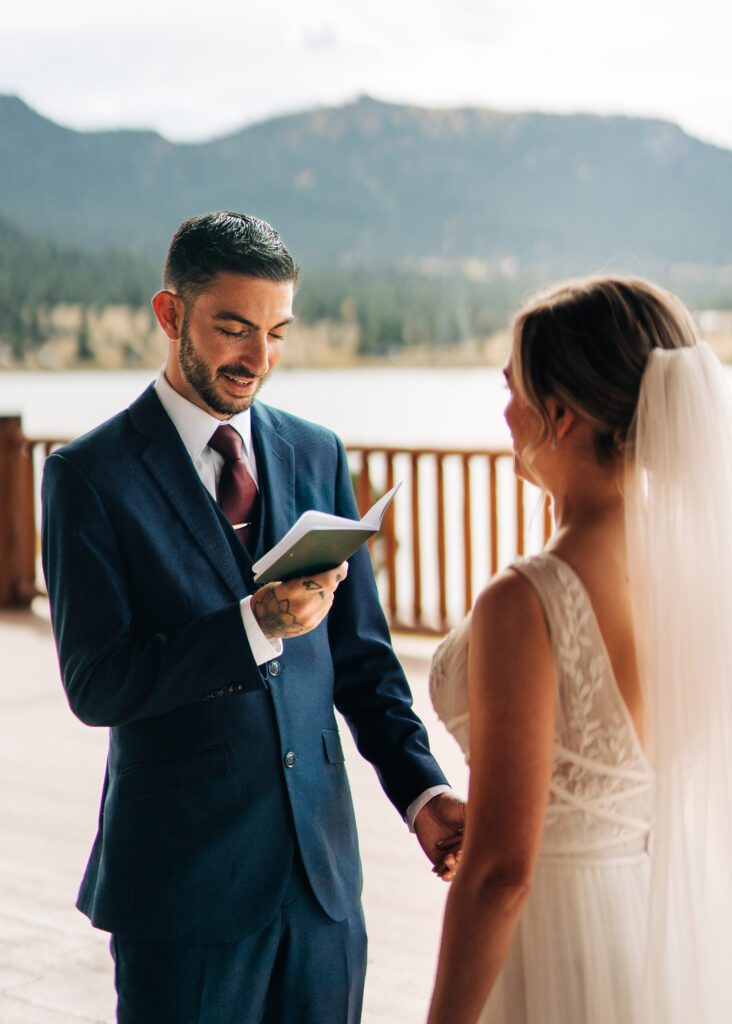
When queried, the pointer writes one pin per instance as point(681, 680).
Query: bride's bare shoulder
point(509, 607)
point(510, 653)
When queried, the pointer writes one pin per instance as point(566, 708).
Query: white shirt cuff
point(263, 649)
point(424, 798)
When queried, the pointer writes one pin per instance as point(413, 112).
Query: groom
point(226, 861)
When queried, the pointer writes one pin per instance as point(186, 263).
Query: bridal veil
point(679, 528)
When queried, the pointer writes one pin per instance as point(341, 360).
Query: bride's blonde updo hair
point(586, 343)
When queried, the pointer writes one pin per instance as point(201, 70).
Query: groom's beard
point(203, 381)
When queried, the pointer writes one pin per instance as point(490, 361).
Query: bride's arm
point(512, 694)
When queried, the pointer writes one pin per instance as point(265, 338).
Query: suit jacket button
point(290, 758)
point(274, 668)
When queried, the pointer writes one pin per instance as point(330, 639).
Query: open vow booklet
point(319, 541)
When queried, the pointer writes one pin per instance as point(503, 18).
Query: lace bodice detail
point(600, 797)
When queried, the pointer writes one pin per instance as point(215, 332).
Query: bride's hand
point(439, 827)
point(448, 866)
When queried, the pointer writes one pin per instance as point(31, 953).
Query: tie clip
point(240, 526)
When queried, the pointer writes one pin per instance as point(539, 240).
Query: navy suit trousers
point(303, 968)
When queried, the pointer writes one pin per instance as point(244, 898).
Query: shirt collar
point(195, 425)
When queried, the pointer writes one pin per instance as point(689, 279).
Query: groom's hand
point(439, 827)
point(294, 608)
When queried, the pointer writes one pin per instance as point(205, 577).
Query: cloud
point(320, 39)
point(209, 70)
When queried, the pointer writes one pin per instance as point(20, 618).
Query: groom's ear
point(169, 310)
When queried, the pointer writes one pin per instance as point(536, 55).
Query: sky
point(197, 72)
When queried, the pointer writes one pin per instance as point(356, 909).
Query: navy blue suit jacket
point(200, 812)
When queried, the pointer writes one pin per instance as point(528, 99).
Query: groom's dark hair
point(225, 242)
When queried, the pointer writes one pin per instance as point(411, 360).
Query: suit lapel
point(170, 464)
point(276, 471)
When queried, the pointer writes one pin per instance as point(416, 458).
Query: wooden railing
point(17, 517)
point(459, 516)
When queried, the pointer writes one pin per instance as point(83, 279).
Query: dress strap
point(545, 574)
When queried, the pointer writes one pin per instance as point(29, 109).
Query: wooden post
point(520, 523)
point(416, 541)
point(467, 535)
point(441, 541)
point(390, 546)
point(17, 517)
point(493, 507)
point(364, 495)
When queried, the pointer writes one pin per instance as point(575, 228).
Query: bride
point(592, 686)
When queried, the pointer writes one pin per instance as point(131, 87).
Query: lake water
point(389, 406)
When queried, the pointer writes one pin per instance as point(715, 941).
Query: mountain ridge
point(361, 101)
point(375, 185)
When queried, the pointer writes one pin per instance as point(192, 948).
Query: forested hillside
point(36, 274)
point(377, 185)
point(414, 228)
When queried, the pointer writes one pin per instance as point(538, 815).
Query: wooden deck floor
point(54, 968)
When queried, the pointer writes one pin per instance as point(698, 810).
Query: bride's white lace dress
point(577, 955)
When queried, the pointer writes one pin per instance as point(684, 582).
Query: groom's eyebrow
point(237, 318)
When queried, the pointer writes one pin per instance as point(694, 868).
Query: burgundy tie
point(237, 490)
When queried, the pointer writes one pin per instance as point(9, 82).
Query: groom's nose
point(254, 353)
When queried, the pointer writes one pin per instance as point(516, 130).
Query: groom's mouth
point(243, 383)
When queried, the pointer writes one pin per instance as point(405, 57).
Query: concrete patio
point(54, 968)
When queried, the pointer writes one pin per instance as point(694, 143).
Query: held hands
point(296, 607)
point(439, 827)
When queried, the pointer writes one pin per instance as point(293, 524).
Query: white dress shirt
point(196, 428)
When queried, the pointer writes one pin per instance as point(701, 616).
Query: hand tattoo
point(312, 585)
point(274, 616)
